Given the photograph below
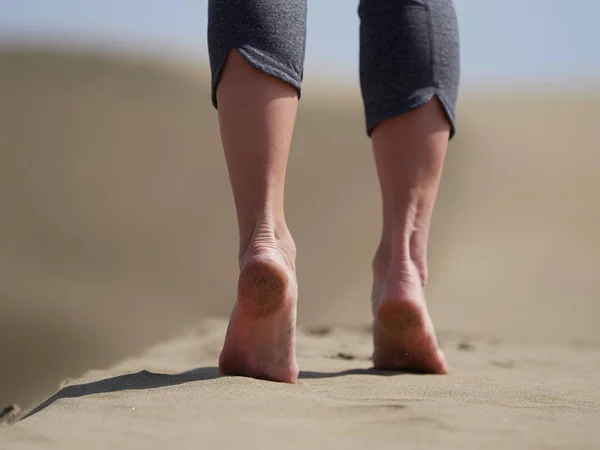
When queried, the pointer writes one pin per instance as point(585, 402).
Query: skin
point(257, 113)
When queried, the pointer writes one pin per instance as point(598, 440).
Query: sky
point(553, 43)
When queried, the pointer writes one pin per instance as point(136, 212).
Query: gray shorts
point(409, 49)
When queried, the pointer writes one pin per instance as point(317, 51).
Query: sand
point(497, 396)
point(118, 233)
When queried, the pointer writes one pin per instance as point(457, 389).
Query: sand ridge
point(496, 395)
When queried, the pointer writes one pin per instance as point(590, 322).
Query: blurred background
point(117, 227)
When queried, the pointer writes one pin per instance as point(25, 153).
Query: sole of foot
point(403, 334)
point(260, 339)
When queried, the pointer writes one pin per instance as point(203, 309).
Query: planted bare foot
point(260, 340)
point(403, 334)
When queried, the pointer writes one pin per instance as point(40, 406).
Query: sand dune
point(118, 231)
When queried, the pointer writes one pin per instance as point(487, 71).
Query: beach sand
point(118, 265)
point(496, 396)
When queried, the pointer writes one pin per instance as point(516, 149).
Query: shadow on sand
point(150, 380)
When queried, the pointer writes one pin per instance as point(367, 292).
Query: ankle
point(268, 235)
point(401, 256)
point(382, 260)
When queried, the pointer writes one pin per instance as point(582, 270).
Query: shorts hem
point(419, 98)
point(260, 62)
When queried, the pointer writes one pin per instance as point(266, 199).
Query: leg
point(257, 104)
point(409, 80)
point(409, 153)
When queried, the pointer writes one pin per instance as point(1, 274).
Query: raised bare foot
point(260, 340)
point(403, 334)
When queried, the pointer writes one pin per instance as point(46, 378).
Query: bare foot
point(403, 334)
point(260, 340)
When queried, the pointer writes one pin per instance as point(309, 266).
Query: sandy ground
point(118, 232)
point(497, 396)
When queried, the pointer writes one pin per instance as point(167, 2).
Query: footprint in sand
point(9, 415)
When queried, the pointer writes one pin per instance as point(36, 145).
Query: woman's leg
point(409, 80)
point(257, 54)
